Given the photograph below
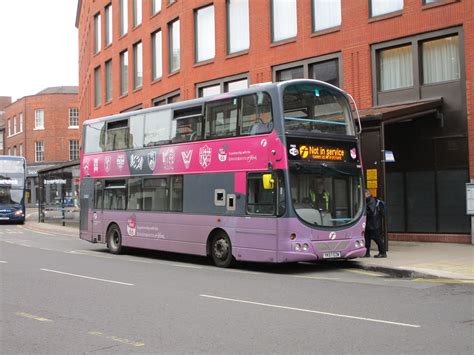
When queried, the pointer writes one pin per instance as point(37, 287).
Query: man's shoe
point(367, 256)
point(380, 256)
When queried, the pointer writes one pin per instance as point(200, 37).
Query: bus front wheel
point(114, 239)
point(221, 250)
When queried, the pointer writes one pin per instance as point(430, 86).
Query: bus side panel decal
point(240, 183)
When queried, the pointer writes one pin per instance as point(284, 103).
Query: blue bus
point(12, 188)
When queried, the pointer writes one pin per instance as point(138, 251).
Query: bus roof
point(11, 157)
point(259, 87)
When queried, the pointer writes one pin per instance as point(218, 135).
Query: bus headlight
point(18, 213)
point(305, 247)
point(297, 246)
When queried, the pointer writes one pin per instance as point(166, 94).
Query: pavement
point(435, 261)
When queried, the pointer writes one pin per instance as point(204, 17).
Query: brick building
point(4, 102)
point(44, 128)
point(407, 63)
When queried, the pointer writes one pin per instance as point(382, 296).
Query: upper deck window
point(316, 109)
point(117, 135)
point(221, 118)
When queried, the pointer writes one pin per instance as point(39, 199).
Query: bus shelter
point(59, 194)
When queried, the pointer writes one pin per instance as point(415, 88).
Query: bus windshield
point(310, 107)
point(326, 195)
point(10, 197)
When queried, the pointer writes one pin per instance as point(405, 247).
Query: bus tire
point(221, 250)
point(114, 239)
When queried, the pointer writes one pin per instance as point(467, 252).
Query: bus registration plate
point(332, 254)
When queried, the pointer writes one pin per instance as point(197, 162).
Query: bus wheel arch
point(219, 248)
point(114, 238)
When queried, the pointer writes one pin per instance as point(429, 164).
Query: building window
point(21, 122)
point(238, 36)
point(108, 81)
point(290, 73)
point(326, 14)
point(157, 55)
point(327, 71)
point(14, 150)
point(97, 87)
point(174, 46)
point(21, 149)
point(73, 149)
point(155, 6)
point(123, 17)
point(1, 141)
point(39, 151)
point(169, 2)
point(167, 99)
point(325, 68)
point(284, 20)
point(137, 65)
point(97, 33)
point(124, 73)
point(236, 85)
point(39, 119)
point(396, 68)
point(209, 90)
point(137, 12)
point(14, 125)
point(205, 34)
point(441, 60)
point(108, 25)
point(9, 127)
point(382, 7)
point(74, 117)
point(222, 85)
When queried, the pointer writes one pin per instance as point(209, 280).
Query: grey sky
point(38, 46)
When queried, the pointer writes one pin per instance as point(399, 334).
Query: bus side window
point(221, 118)
point(98, 195)
point(118, 135)
point(115, 195)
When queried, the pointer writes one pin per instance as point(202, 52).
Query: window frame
point(306, 63)
point(171, 24)
point(154, 55)
point(137, 65)
point(39, 153)
point(326, 29)
point(272, 25)
point(196, 34)
point(73, 118)
point(38, 127)
point(386, 14)
point(97, 23)
point(228, 31)
point(108, 18)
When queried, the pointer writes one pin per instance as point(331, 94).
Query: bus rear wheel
point(114, 239)
point(221, 250)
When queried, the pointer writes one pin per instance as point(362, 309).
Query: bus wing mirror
point(268, 181)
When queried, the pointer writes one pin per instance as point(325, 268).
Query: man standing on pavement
point(373, 227)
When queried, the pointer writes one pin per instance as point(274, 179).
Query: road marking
point(186, 266)
point(31, 316)
point(87, 277)
point(317, 278)
point(445, 281)
point(3, 262)
point(118, 339)
point(312, 311)
point(48, 233)
point(366, 273)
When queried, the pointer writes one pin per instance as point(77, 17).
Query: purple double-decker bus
point(271, 173)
